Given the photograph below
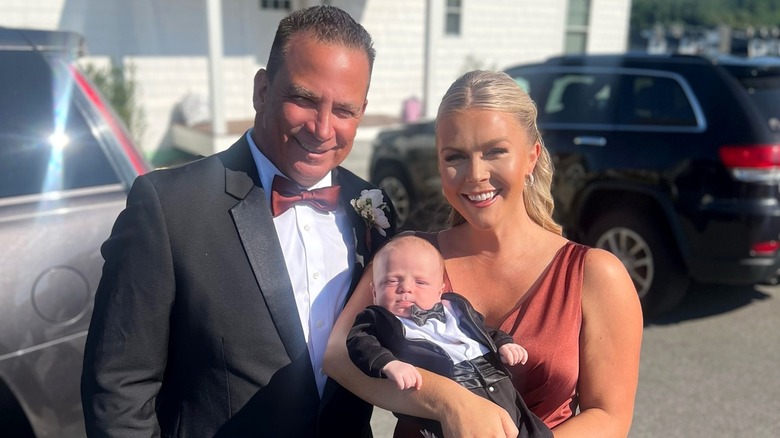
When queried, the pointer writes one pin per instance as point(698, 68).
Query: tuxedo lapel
point(350, 191)
point(254, 223)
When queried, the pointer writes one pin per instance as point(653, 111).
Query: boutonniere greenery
point(371, 206)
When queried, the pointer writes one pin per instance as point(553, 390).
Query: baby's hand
point(403, 374)
point(512, 354)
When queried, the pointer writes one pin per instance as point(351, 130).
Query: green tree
point(119, 87)
point(709, 13)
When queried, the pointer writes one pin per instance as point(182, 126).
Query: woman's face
point(484, 157)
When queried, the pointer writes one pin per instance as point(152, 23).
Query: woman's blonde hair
point(497, 91)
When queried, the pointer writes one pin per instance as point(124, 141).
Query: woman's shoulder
point(606, 278)
point(601, 264)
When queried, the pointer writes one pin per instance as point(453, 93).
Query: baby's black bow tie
point(419, 316)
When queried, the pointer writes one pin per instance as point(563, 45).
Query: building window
point(453, 12)
point(577, 26)
point(275, 4)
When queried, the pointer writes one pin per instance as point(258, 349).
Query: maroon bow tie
point(286, 194)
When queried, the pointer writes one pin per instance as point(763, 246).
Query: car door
point(59, 196)
point(577, 120)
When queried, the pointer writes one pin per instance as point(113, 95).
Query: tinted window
point(764, 91)
point(534, 83)
point(654, 101)
point(579, 98)
point(45, 143)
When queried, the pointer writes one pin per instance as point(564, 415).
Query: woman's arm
point(461, 413)
point(610, 342)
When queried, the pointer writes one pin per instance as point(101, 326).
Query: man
point(217, 296)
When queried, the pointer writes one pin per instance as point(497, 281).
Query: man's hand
point(512, 354)
point(403, 374)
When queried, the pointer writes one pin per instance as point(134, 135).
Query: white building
point(422, 46)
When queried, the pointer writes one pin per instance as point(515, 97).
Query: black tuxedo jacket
point(377, 338)
point(195, 331)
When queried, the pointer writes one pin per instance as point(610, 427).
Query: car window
point(524, 83)
point(579, 98)
point(648, 100)
point(45, 143)
point(532, 82)
point(764, 91)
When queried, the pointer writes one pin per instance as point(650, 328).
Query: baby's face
point(406, 275)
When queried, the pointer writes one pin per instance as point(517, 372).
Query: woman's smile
point(482, 198)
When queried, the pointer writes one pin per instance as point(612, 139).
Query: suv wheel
point(649, 255)
point(394, 182)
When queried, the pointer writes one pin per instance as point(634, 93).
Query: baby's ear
point(443, 288)
point(373, 289)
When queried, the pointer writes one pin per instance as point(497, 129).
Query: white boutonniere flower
point(371, 206)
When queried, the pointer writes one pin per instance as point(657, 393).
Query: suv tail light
point(752, 163)
point(116, 127)
point(765, 249)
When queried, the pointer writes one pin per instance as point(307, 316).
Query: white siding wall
point(40, 14)
point(609, 22)
point(397, 28)
point(494, 35)
point(167, 42)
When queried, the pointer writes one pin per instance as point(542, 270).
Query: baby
point(415, 324)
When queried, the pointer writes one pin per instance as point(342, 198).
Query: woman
point(575, 309)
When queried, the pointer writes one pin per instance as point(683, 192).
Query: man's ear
point(260, 90)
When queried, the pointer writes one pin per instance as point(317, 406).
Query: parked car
point(670, 162)
point(66, 163)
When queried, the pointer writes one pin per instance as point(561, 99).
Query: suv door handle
point(590, 141)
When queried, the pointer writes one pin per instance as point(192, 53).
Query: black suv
point(670, 162)
point(66, 163)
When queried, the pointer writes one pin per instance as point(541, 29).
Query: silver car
point(66, 163)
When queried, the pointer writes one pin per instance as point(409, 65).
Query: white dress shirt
point(447, 335)
point(318, 248)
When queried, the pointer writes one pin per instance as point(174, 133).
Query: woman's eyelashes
point(454, 157)
point(496, 152)
point(492, 153)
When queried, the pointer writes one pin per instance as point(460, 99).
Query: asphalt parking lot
point(710, 368)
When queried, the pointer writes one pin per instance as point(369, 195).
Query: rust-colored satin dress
point(547, 323)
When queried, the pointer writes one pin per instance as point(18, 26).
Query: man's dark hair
point(327, 24)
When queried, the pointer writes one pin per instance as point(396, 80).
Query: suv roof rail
point(42, 40)
point(713, 58)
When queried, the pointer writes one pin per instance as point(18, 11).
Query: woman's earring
point(529, 180)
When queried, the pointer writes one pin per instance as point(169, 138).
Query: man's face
point(307, 117)
point(407, 274)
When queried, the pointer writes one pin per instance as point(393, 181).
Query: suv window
point(764, 91)
point(654, 101)
point(45, 143)
point(579, 98)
